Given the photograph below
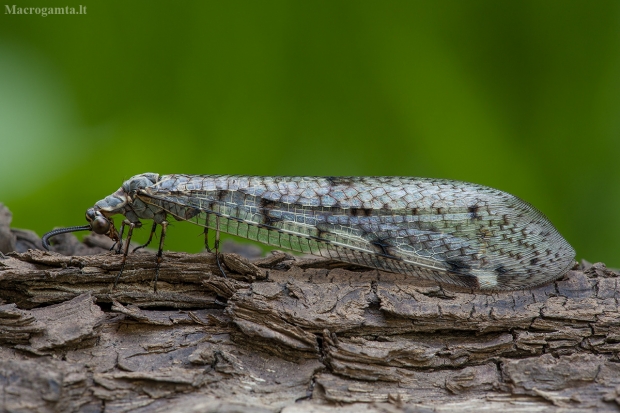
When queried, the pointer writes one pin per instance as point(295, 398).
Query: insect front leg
point(119, 243)
point(131, 226)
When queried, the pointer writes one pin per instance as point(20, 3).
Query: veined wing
point(447, 231)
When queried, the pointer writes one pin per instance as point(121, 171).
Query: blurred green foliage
point(518, 95)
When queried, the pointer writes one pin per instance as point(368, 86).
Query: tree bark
point(294, 335)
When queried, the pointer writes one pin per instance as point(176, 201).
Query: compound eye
point(100, 225)
point(91, 215)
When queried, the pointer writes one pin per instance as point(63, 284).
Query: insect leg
point(153, 228)
point(164, 225)
point(120, 239)
point(206, 232)
point(217, 245)
point(127, 241)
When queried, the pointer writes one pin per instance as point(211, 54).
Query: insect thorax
point(125, 200)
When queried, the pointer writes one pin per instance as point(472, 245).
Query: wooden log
point(295, 335)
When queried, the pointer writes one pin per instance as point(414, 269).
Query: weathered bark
point(294, 335)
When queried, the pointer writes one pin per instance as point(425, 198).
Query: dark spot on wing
point(222, 194)
point(322, 234)
point(458, 265)
point(381, 246)
point(267, 204)
point(361, 212)
point(191, 212)
point(534, 261)
point(339, 180)
point(501, 270)
point(470, 281)
point(473, 211)
point(270, 220)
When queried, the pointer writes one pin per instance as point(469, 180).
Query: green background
point(523, 96)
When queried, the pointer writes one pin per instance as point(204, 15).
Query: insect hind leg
point(217, 246)
point(164, 226)
point(206, 233)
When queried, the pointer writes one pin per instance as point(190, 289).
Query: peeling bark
point(295, 335)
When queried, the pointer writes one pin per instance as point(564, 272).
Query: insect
point(447, 231)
